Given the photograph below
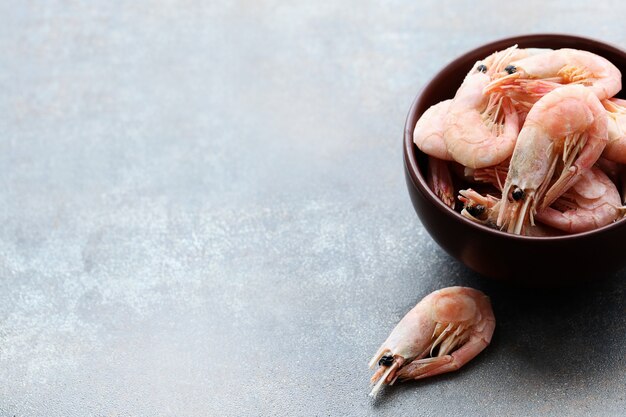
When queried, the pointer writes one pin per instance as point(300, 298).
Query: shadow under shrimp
point(563, 333)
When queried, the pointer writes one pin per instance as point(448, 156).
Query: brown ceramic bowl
point(529, 261)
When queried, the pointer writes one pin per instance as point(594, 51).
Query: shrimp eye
point(386, 360)
point(510, 69)
point(481, 68)
point(518, 194)
point(476, 210)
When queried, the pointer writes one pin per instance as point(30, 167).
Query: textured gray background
point(203, 212)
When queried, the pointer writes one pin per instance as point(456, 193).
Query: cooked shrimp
point(536, 75)
point(616, 147)
point(484, 210)
point(481, 129)
point(440, 181)
point(472, 116)
point(591, 203)
point(568, 123)
point(478, 208)
point(428, 132)
point(444, 331)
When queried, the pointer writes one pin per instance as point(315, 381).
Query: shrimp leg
point(435, 366)
point(440, 181)
point(616, 147)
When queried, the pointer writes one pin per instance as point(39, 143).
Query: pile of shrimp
point(533, 143)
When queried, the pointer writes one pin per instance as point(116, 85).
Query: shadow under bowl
point(519, 260)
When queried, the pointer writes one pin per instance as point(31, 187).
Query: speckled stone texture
point(204, 213)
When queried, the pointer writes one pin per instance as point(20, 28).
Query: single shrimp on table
point(528, 79)
point(444, 331)
point(591, 203)
point(616, 147)
point(564, 134)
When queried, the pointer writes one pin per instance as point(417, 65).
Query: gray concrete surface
point(204, 213)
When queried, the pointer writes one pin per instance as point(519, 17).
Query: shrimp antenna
point(504, 56)
point(382, 380)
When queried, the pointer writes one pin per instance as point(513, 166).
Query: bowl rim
point(409, 149)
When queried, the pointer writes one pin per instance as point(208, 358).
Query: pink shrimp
point(535, 76)
point(615, 171)
point(590, 203)
point(616, 147)
point(428, 132)
point(484, 113)
point(444, 331)
point(568, 123)
point(481, 129)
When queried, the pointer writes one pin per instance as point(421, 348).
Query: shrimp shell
point(428, 132)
